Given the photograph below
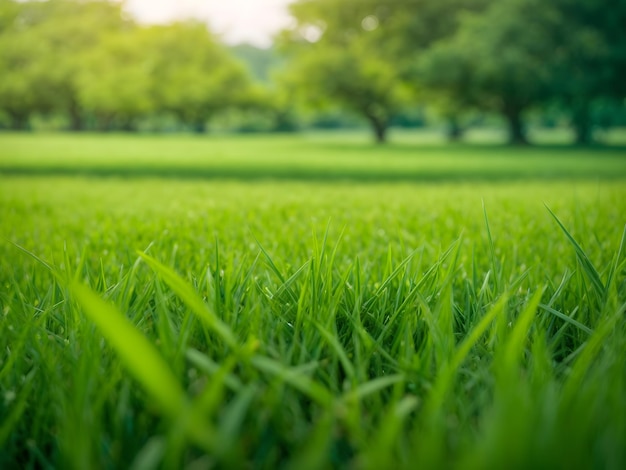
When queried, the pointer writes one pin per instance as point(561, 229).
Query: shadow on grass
point(317, 175)
point(494, 150)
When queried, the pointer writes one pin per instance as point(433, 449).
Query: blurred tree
point(590, 63)
point(22, 79)
point(260, 62)
point(368, 50)
point(115, 84)
point(413, 27)
point(499, 60)
point(73, 30)
point(336, 59)
point(194, 75)
point(270, 107)
point(23, 74)
point(360, 82)
point(85, 59)
point(377, 59)
point(44, 46)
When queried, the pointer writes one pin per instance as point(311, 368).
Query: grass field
point(310, 302)
point(306, 157)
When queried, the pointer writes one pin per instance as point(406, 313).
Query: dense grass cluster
point(151, 323)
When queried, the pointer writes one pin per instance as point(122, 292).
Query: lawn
point(310, 302)
point(309, 157)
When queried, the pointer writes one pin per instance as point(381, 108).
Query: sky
point(237, 21)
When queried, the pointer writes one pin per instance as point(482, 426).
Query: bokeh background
point(512, 67)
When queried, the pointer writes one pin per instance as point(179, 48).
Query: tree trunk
point(128, 125)
point(19, 121)
point(199, 127)
point(455, 131)
point(76, 120)
point(104, 122)
point(517, 133)
point(379, 126)
point(582, 123)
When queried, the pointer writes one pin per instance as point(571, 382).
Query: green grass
point(162, 323)
point(319, 157)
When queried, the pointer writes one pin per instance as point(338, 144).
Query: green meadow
point(310, 301)
point(411, 157)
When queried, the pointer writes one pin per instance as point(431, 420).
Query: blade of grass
point(444, 381)
point(206, 364)
point(38, 259)
point(234, 416)
point(373, 386)
point(589, 352)
point(615, 265)
point(387, 433)
point(514, 345)
point(146, 365)
point(150, 455)
point(313, 454)
point(583, 259)
point(274, 268)
point(137, 354)
point(334, 343)
point(492, 251)
point(17, 409)
point(188, 295)
point(565, 318)
point(296, 379)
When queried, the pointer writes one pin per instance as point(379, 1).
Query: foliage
point(87, 61)
point(520, 54)
point(375, 62)
point(53, 39)
point(353, 78)
point(117, 80)
point(592, 62)
point(507, 67)
point(196, 78)
point(335, 59)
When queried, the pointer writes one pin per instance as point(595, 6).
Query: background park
point(358, 234)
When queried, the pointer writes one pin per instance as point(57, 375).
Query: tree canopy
point(500, 56)
point(87, 63)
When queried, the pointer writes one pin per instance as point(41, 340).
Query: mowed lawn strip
point(298, 157)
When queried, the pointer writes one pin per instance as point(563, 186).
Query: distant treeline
point(87, 65)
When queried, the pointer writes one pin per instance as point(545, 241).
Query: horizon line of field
point(315, 175)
